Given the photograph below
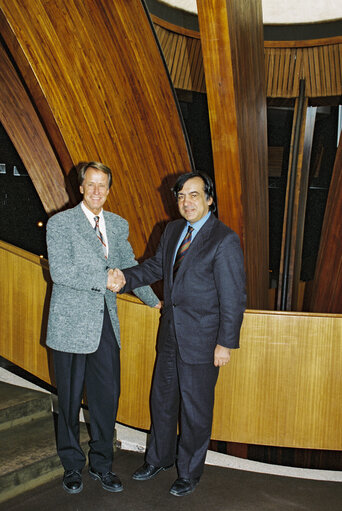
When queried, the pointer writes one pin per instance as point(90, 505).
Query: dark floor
point(220, 489)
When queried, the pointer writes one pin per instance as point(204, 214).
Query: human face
point(192, 201)
point(95, 189)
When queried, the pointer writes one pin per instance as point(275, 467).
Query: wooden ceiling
point(99, 86)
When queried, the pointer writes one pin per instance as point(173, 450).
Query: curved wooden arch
point(98, 80)
point(72, 57)
point(24, 127)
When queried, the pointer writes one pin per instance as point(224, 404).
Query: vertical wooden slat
point(301, 200)
point(338, 67)
point(280, 75)
point(287, 70)
point(286, 62)
point(318, 81)
point(291, 247)
point(232, 46)
point(325, 64)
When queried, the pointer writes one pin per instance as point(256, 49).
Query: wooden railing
point(283, 387)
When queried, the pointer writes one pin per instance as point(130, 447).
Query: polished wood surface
point(24, 127)
point(87, 104)
point(183, 55)
point(325, 293)
point(235, 82)
point(294, 217)
point(283, 387)
point(24, 309)
point(96, 76)
point(318, 61)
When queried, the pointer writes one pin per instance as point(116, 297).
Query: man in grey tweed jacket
point(84, 244)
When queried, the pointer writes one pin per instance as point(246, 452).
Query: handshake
point(116, 280)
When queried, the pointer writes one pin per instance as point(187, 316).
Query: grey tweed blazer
point(78, 270)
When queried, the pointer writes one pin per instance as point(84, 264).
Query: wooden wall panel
point(184, 61)
point(23, 294)
point(232, 46)
point(319, 62)
point(96, 76)
point(283, 387)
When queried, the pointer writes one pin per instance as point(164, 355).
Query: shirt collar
point(89, 214)
point(197, 225)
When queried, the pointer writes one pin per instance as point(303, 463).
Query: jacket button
point(102, 311)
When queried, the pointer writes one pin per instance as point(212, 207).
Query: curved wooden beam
point(231, 38)
point(24, 127)
point(98, 80)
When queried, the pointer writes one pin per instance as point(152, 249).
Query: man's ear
point(81, 189)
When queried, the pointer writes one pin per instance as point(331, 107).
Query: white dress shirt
point(102, 225)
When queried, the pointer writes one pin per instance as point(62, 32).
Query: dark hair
point(83, 166)
point(208, 185)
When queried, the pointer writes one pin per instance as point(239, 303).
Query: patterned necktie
point(183, 247)
point(99, 234)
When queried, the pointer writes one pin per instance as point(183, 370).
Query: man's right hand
point(116, 280)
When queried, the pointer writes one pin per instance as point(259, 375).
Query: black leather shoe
point(109, 480)
point(183, 487)
point(147, 471)
point(72, 481)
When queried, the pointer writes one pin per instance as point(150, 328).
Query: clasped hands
point(116, 280)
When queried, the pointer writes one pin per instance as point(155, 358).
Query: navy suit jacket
point(207, 299)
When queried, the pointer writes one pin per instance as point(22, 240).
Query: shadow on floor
point(220, 489)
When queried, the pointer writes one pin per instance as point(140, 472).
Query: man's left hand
point(221, 356)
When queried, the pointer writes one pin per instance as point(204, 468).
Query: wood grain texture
point(231, 39)
point(24, 127)
point(294, 219)
point(318, 61)
point(284, 383)
point(98, 80)
point(283, 387)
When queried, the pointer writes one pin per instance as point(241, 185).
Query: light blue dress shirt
point(197, 226)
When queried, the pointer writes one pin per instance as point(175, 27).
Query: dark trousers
point(99, 372)
point(185, 391)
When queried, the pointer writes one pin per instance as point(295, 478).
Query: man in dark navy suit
point(201, 262)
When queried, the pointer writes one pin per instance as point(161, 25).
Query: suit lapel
point(171, 247)
point(111, 237)
point(87, 232)
point(112, 230)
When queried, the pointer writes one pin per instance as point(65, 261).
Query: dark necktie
point(183, 247)
point(99, 234)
